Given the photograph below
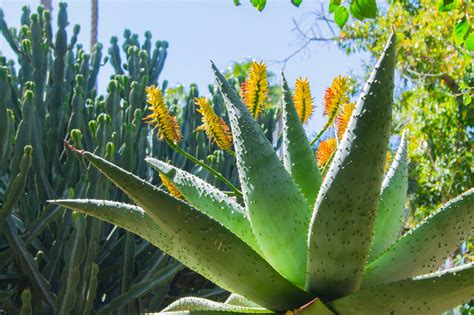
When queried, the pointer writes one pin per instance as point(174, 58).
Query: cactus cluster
point(294, 242)
point(52, 261)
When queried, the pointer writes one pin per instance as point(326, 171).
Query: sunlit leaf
point(333, 5)
point(259, 4)
point(429, 294)
point(461, 30)
point(469, 42)
point(425, 247)
point(265, 191)
point(361, 9)
point(446, 5)
point(340, 16)
point(204, 305)
point(341, 227)
point(296, 2)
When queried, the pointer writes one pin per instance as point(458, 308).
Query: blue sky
point(200, 30)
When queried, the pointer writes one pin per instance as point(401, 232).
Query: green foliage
point(313, 260)
point(390, 214)
point(432, 104)
point(358, 9)
point(327, 240)
point(259, 4)
point(297, 3)
point(69, 262)
point(446, 5)
point(341, 15)
point(361, 9)
point(48, 95)
point(462, 31)
point(297, 153)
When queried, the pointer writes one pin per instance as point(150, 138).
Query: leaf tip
point(73, 148)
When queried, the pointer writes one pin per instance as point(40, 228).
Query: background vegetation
point(49, 257)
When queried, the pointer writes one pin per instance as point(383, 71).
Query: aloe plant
point(296, 243)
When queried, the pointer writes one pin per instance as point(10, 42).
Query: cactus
point(297, 244)
point(68, 261)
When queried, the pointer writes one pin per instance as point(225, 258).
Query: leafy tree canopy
point(435, 103)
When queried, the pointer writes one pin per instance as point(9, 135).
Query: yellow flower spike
point(214, 126)
point(388, 159)
point(161, 118)
point(303, 100)
point(325, 150)
point(171, 187)
point(255, 88)
point(343, 119)
point(335, 96)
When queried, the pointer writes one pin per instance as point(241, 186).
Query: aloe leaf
point(239, 300)
point(427, 245)
point(315, 307)
point(210, 312)
point(341, 226)
point(200, 304)
point(298, 156)
point(206, 246)
point(389, 221)
point(210, 201)
point(278, 211)
point(431, 294)
point(128, 217)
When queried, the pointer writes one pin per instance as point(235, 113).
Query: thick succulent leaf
point(431, 294)
point(200, 304)
point(219, 255)
point(315, 307)
point(389, 221)
point(426, 246)
point(298, 157)
point(128, 217)
point(341, 226)
point(193, 305)
point(209, 200)
point(239, 300)
point(209, 312)
point(278, 211)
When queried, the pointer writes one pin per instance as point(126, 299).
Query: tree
point(435, 103)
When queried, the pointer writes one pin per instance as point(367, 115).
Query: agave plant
point(298, 241)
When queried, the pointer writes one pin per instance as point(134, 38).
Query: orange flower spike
point(335, 96)
point(343, 119)
point(161, 118)
point(214, 126)
point(171, 187)
point(255, 88)
point(303, 100)
point(388, 160)
point(325, 150)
